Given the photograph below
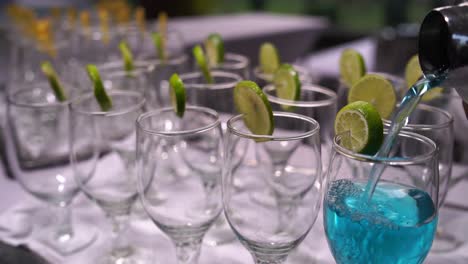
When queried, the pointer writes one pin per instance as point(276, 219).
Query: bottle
point(443, 46)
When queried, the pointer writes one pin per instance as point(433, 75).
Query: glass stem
point(188, 252)
point(120, 244)
point(64, 223)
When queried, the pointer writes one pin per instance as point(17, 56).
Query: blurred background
point(394, 23)
point(350, 17)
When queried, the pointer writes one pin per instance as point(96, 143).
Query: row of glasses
point(290, 205)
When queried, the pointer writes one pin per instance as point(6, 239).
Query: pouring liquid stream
point(399, 120)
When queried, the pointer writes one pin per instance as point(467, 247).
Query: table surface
point(15, 200)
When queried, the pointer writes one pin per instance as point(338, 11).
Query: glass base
point(83, 236)
point(219, 234)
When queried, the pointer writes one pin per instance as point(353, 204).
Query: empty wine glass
point(316, 102)
point(106, 171)
point(290, 165)
point(397, 223)
point(144, 49)
point(398, 83)
point(219, 97)
point(39, 126)
point(234, 63)
point(437, 125)
point(263, 79)
point(192, 203)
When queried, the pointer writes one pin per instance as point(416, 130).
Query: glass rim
point(393, 78)
point(117, 67)
point(10, 97)
point(214, 86)
point(427, 127)
point(389, 161)
point(111, 113)
point(249, 135)
point(194, 131)
point(238, 62)
point(308, 87)
point(303, 72)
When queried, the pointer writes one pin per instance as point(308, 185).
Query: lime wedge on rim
point(202, 63)
point(352, 66)
point(376, 90)
point(127, 56)
point(160, 45)
point(361, 128)
point(177, 93)
point(214, 47)
point(413, 73)
point(287, 84)
point(100, 93)
point(255, 107)
point(269, 58)
point(54, 82)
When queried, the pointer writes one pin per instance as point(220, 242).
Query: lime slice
point(177, 93)
point(160, 45)
point(269, 58)
point(100, 93)
point(413, 73)
point(253, 104)
point(352, 67)
point(54, 82)
point(361, 127)
point(287, 84)
point(214, 47)
point(376, 90)
point(201, 61)
point(127, 56)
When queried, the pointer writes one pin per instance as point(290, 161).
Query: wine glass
point(106, 171)
point(290, 165)
point(234, 63)
point(143, 47)
point(263, 79)
point(397, 224)
point(315, 101)
point(437, 125)
point(219, 97)
point(319, 103)
point(114, 76)
point(398, 83)
point(192, 203)
point(39, 128)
